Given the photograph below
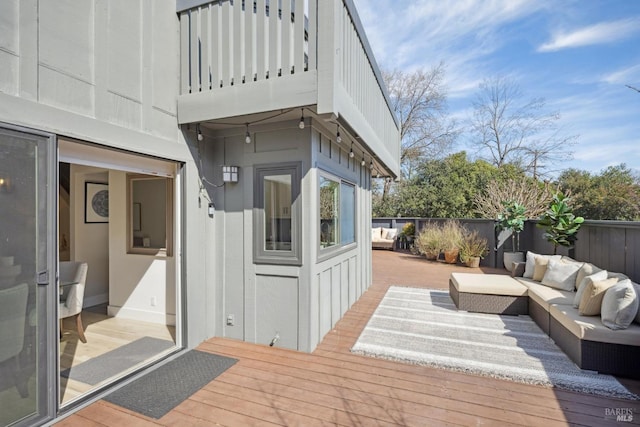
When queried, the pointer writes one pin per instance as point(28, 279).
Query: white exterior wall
point(107, 72)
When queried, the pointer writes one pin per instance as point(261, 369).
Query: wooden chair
point(72, 297)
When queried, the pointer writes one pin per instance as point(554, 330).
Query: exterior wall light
point(230, 173)
point(301, 124)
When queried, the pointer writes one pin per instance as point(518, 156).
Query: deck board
point(332, 386)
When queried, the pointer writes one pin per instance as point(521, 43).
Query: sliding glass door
point(27, 272)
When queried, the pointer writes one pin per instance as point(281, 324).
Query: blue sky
point(577, 54)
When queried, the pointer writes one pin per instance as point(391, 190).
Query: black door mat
point(161, 390)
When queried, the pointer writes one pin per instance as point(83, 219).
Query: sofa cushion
point(389, 233)
point(544, 295)
point(587, 269)
point(376, 233)
point(619, 305)
point(490, 284)
point(591, 301)
point(591, 328)
point(595, 277)
point(531, 260)
point(561, 274)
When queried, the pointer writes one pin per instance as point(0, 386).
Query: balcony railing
point(240, 57)
point(227, 43)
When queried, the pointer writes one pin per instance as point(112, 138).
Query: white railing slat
point(194, 69)
point(227, 45)
point(205, 48)
point(237, 42)
point(312, 31)
point(261, 40)
point(287, 34)
point(215, 46)
point(273, 39)
point(298, 37)
point(249, 41)
point(185, 60)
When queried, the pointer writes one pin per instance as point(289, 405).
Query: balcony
point(244, 58)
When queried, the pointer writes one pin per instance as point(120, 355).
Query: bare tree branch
point(419, 99)
point(509, 130)
point(530, 193)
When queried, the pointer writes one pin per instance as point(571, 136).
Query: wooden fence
point(612, 245)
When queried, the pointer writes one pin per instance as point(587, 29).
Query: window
point(348, 211)
point(277, 214)
point(329, 215)
point(149, 215)
point(337, 212)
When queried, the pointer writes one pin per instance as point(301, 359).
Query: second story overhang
point(240, 58)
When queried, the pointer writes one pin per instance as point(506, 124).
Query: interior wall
point(89, 242)
point(142, 287)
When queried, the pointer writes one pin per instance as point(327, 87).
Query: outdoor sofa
point(383, 238)
point(547, 288)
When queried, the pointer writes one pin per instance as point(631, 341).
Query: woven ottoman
point(488, 293)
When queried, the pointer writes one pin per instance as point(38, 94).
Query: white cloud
point(624, 76)
point(601, 33)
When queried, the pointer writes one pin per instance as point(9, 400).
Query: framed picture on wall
point(96, 202)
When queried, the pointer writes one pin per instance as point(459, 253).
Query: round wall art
point(96, 202)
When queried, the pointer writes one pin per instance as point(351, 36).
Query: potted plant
point(512, 219)
point(560, 223)
point(451, 238)
point(407, 234)
point(429, 241)
point(473, 247)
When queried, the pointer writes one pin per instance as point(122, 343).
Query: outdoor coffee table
point(488, 293)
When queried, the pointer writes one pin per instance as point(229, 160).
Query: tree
point(532, 194)
point(443, 188)
point(419, 99)
point(614, 194)
point(509, 129)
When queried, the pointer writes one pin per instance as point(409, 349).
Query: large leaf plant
point(560, 223)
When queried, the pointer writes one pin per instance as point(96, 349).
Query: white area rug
point(424, 327)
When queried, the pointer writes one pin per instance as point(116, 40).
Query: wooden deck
point(272, 386)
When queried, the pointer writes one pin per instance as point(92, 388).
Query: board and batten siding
point(338, 279)
point(296, 304)
point(90, 64)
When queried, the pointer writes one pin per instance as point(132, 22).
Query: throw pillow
point(586, 270)
point(591, 302)
point(595, 277)
point(540, 268)
point(531, 263)
point(619, 305)
point(561, 275)
point(376, 233)
point(389, 233)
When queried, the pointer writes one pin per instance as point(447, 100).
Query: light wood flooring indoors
point(103, 334)
point(332, 386)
